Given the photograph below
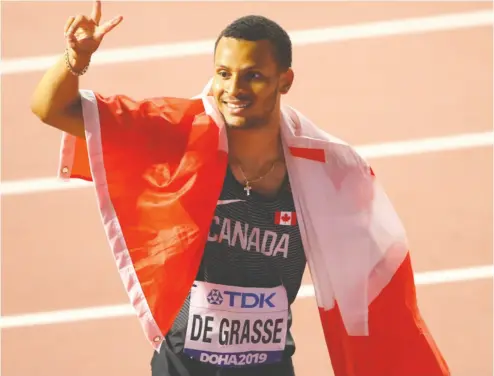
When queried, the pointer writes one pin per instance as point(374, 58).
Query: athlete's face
point(248, 83)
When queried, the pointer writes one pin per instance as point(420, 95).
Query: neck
point(253, 148)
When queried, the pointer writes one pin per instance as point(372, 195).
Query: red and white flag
point(157, 212)
point(285, 218)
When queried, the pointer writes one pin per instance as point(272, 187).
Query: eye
point(223, 74)
point(254, 76)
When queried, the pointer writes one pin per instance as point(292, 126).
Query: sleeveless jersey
point(254, 242)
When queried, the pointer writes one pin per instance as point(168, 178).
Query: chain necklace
point(248, 187)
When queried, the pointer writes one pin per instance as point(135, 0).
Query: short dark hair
point(255, 28)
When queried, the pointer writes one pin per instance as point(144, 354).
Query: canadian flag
point(285, 218)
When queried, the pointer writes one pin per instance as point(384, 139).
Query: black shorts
point(168, 363)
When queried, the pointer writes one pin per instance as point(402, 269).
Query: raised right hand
point(84, 34)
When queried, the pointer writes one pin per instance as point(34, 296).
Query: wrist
point(77, 62)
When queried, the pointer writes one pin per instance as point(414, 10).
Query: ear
point(287, 81)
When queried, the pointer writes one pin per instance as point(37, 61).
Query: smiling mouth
point(237, 106)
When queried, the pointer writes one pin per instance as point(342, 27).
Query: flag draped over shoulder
point(158, 167)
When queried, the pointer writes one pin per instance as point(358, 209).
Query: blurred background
point(408, 83)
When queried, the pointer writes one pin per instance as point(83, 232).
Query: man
point(212, 204)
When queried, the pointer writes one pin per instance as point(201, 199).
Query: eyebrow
point(249, 67)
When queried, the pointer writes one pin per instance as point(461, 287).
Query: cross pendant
point(247, 189)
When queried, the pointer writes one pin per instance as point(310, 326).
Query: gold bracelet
point(69, 67)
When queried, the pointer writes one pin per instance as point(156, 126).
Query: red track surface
point(375, 90)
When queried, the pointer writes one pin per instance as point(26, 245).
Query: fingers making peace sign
point(84, 34)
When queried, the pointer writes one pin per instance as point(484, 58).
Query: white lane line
point(306, 291)
point(427, 145)
point(20, 187)
point(384, 150)
point(442, 22)
point(432, 278)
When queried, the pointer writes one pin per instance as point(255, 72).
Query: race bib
point(233, 326)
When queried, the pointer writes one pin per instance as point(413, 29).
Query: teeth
point(237, 105)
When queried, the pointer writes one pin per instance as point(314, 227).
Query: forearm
point(57, 94)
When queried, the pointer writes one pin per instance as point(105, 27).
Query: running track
point(373, 83)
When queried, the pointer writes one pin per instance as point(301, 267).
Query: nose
point(234, 86)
